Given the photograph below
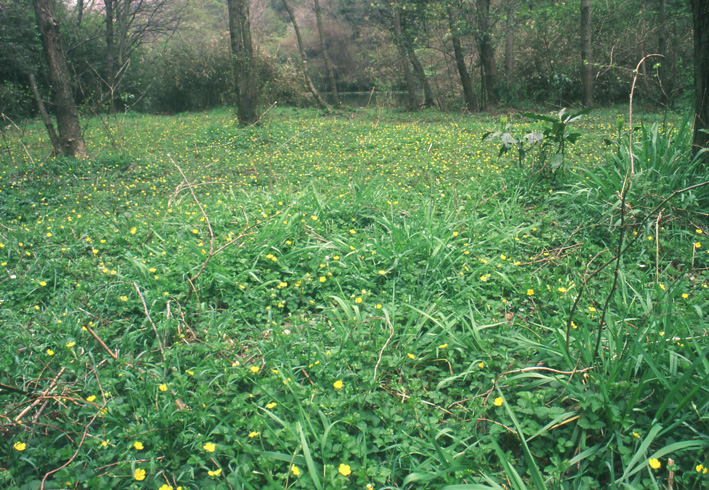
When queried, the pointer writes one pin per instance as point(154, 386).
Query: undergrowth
point(372, 301)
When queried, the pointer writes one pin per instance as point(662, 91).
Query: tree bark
point(325, 56)
point(70, 138)
point(403, 55)
point(510, 28)
point(110, 64)
point(243, 61)
point(586, 55)
point(487, 53)
point(303, 60)
point(665, 62)
point(56, 145)
point(428, 100)
point(700, 15)
point(471, 104)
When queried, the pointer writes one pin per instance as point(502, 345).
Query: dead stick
point(101, 343)
point(44, 393)
point(147, 313)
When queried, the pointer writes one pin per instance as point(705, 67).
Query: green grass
point(366, 300)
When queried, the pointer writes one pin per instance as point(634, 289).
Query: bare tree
point(303, 59)
point(242, 51)
point(129, 24)
point(70, 137)
point(471, 104)
point(325, 55)
point(586, 55)
point(487, 52)
point(700, 14)
point(401, 46)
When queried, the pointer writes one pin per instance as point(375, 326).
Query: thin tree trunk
point(79, 11)
point(325, 56)
point(110, 62)
point(471, 104)
point(700, 15)
point(510, 28)
point(243, 61)
point(56, 145)
point(586, 55)
point(70, 138)
point(666, 80)
point(428, 100)
point(303, 60)
point(487, 52)
point(408, 77)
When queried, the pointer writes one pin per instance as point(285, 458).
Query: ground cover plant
point(366, 300)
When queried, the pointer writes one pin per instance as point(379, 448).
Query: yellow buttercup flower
point(216, 472)
point(655, 464)
point(271, 405)
point(209, 447)
point(138, 445)
point(139, 474)
point(254, 369)
point(162, 387)
point(338, 384)
point(499, 401)
point(344, 469)
point(295, 470)
point(20, 446)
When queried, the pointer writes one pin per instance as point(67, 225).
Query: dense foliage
point(364, 300)
point(182, 60)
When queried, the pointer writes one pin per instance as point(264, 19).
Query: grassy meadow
point(368, 300)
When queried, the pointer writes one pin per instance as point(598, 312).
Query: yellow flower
point(209, 447)
point(166, 487)
point(50, 352)
point(344, 469)
point(70, 345)
point(591, 309)
point(133, 230)
point(124, 298)
point(698, 245)
point(411, 356)
point(530, 292)
point(655, 464)
point(90, 398)
point(138, 445)
point(295, 470)
point(358, 300)
point(162, 387)
point(322, 278)
point(338, 384)
point(139, 474)
point(685, 295)
point(699, 231)
point(216, 472)
point(254, 434)
point(191, 373)
point(700, 468)
point(314, 218)
point(443, 346)
point(20, 446)
point(353, 232)
point(499, 401)
point(271, 405)
point(42, 283)
point(562, 290)
point(481, 365)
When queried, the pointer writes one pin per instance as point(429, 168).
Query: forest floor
point(366, 300)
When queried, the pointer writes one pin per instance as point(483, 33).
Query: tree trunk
point(509, 42)
point(471, 104)
point(586, 55)
point(56, 145)
point(487, 53)
point(421, 74)
point(325, 56)
point(700, 14)
point(665, 61)
point(408, 77)
point(303, 60)
point(70, 138)
point(243, 61)
point(110, 63)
